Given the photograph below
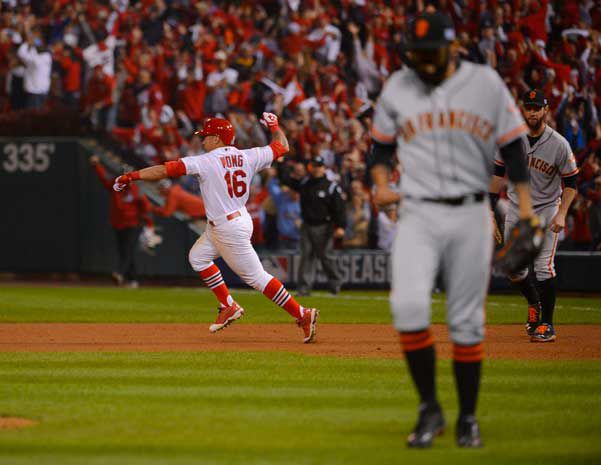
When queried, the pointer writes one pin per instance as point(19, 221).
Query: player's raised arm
point(171, 169)
point(279, 141)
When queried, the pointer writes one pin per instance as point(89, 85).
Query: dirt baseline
point(575, 342)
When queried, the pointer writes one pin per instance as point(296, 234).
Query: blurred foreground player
point(446, 118)
point(224, 175)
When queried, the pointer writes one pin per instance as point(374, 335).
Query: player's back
point(224, 176)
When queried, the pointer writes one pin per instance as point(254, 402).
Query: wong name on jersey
point(232, 161)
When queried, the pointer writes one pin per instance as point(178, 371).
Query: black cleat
point(430, 424)
point(468, 432)
point(543, 333)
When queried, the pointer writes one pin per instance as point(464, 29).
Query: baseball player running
point(550, 161)
point(445, 118)
point(224, 174)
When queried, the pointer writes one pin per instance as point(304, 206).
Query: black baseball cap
point(535, 97)
point(318, 161)
point(430, 31)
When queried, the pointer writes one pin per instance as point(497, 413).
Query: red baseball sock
point(213, 279)
point(276, 291)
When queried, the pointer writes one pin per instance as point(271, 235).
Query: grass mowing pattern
point(274, 408)
point(106, 304)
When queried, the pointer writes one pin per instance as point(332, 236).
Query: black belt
point(456, 201)
point(541, 205)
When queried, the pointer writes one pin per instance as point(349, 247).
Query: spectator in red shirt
point(69, 62)
point(99, 98)
point(128, 209)
point(178, 199)
point(191, 97)
point(535, 21)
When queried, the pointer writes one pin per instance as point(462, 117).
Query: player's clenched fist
point(124, 180)
point(120, 183)
point(269, 120)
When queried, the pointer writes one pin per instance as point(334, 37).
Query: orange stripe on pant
point(552, 257)
point(467, 354)
point(416, 341)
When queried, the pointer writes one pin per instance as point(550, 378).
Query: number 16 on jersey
point(236, 183)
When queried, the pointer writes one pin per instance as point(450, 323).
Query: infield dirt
point(574, 342)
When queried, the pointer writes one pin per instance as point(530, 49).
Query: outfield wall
point(55, 218)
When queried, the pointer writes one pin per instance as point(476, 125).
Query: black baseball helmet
point(427, 47)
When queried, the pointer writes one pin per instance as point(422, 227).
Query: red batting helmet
point(219, 127)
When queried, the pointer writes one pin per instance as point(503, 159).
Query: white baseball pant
point(457, 239)
point(230, 239)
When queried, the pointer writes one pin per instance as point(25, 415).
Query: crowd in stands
point(148, 72)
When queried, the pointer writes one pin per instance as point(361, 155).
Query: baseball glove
point(149, 239)
point(522, 247)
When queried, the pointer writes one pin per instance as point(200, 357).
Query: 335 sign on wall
point(26, 157)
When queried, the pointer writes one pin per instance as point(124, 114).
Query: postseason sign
point(361, 269)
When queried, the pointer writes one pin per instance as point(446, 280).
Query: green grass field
point(274, 408)
point(190, 305)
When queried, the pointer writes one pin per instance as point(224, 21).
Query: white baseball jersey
point(549, 160)
point(447, 136)
point(224, 176)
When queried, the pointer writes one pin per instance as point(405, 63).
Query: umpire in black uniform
point(324, 218)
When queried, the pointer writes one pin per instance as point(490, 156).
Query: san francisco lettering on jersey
point(542, 166)
point(459, 120)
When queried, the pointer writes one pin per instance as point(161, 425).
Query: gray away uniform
point(446, 139)
point(549, 160)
